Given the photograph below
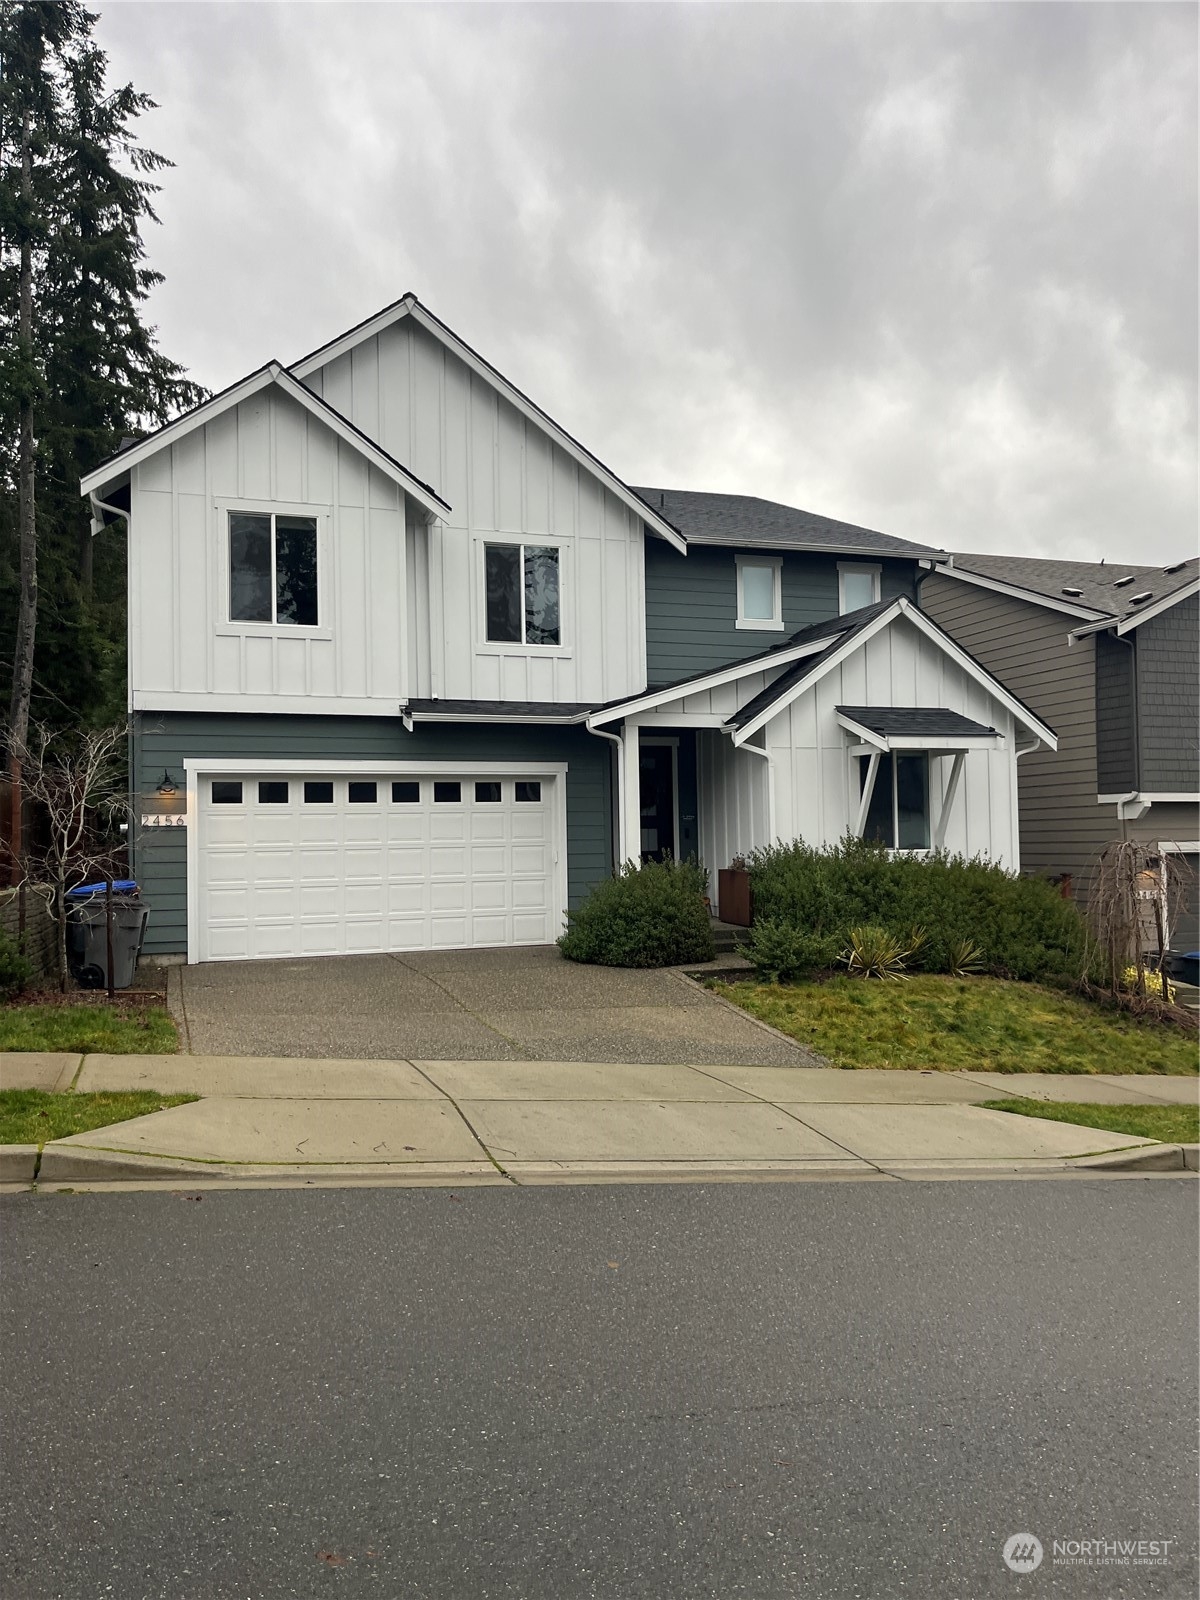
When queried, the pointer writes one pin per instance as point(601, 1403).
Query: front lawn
point(963, 1024)
point(86, 1029)
point(1171, 1124)
point(31, 1116)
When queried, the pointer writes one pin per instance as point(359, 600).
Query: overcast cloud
point(930, 269)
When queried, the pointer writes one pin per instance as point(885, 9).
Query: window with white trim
point(858, 586)
point(898, 813)
point(522, 594)
point(760, 592)
point(273, 568)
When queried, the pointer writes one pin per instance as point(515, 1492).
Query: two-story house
point(410, 668)
point(1110, 655)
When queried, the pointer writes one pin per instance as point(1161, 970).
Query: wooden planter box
point(733, 895)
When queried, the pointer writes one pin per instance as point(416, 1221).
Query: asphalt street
point(853, 1391)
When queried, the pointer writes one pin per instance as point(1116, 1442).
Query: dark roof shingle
point(914, 721)
point(1098, 586)
point(744, 519)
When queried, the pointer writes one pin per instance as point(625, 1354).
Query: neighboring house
point(1110, 655)
point(410, 668)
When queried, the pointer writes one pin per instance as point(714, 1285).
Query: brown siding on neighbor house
point(1168, 697)
point(1116, 722)
point(1025, 646)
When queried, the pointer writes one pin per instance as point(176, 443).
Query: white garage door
point(317, 863)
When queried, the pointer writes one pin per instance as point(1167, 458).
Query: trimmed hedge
point(1022, 927)
point(644, 916)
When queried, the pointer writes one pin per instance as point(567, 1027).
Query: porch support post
point(868, 790)
point(939, 836)
point(631, 794)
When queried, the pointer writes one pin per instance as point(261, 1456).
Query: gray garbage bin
point(90, 940)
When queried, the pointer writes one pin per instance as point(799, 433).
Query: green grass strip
point(32, 1116)
point(964, 1025)
point(1171, 1124)
point(89, 1029)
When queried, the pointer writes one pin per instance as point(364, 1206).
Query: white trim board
point(785, 656)
point(273, 374)
point(1150, 799)
point(410, 306)
point(902, 606)
point(1129, 623)
point(934, 742)
point(196, 767)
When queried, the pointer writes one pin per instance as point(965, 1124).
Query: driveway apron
point(466, 1005)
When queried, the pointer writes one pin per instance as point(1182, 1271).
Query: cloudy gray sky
point(928, 268)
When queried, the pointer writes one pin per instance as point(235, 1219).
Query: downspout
point(618, 808)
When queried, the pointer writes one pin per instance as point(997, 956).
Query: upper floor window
point(760, 592)
point(522, 584)
point(272, 568)
point(898, 810)
point(858, 586)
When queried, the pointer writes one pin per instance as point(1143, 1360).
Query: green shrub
point(15, 970)
point(648, 916)
point(1019, 927)
point(777, 951)
point(875, 953)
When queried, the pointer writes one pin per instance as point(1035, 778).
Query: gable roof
point(409, 306)
point(866, 623)
point(1093, 590)
point(744, 519)
point(115, 468)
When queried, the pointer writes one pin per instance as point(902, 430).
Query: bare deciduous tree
point(76, 780)
point(1135, 901)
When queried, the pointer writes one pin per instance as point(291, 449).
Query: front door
point(657, 764)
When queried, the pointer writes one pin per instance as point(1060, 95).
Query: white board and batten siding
point(265, 454)
point(816, 794)
point(506, 480)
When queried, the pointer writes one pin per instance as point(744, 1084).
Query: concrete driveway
point(465, 1005)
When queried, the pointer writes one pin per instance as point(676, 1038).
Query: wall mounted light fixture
point(166, 784)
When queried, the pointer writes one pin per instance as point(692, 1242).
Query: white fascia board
point(1016, 591)
point(1179, 847)
point(111, 471)
point(1159, 606)
point(272, 374)
point(943, 742)
point(904, 607)
point(410, 306)
point(711, 680)
point(1128, 624)
point(1150, 799)
point(846, 649)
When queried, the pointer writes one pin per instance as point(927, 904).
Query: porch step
point(728, 937)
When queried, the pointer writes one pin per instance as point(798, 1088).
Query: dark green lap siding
point(165, 740)
point(691, 605)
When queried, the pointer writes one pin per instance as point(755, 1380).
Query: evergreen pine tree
point(90, 372)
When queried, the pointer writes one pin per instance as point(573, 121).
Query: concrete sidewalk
point(269, 1118)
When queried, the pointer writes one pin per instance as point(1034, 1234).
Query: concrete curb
point(65, 1163)
point(1153, 1158)
point(18, 1163)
